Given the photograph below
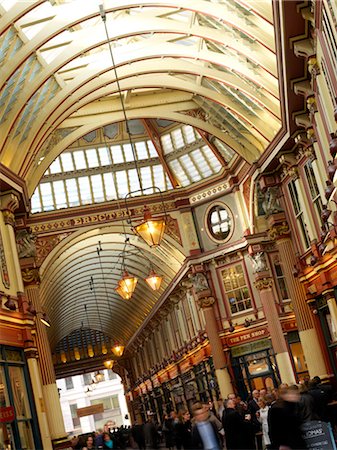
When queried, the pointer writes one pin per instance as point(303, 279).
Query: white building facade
point(82, 391)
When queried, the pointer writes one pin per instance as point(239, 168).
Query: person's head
point(200, 413)
point(269, 398)
point(106, 428)
point(255, 394)
point(316, 380)
point(106, 437)
point(230, 404)
point(232, 397)
point(184, 415)
point(173, 415)
point(261, 402)
point(263, 392)
point(290, 394)
point(275, 393)
point(90, 441)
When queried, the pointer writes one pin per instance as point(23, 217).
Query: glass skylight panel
point(104, 156)
point(109, 184)
point(177, 137)
point(97, 188)
point(190, 167)
point(211, 158)
point(92, 157)
point(72, 190)
point(85, 190)
point(146, 175)
point(59, 194)
point(67, 162)
point(179, 172)
point(117, 155)
point(141, 150)
point(133, 180)
point(128, 154)
point(152, 149)
point(47, 197)
point(55, 166)
point(201, 162)
point(36, 202)
point(122, 183)
point(189, 134)
point(159, 177)
point(80, 162)
point(167, 143)
point(226, 152)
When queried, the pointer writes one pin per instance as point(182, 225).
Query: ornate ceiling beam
point(155, 138)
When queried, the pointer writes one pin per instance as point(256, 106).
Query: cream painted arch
point(80, 46)
point(34, 176)
point(169, 258)
point(150, 23)
point(171, 65)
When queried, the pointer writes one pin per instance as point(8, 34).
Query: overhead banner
point(90, 410)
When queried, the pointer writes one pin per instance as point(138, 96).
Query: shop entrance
point(254, 370)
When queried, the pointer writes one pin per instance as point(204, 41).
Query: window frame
point(207, 223)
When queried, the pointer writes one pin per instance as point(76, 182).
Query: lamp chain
point(103, 16)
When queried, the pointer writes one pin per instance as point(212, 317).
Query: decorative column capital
point(279, 231)
point(205, 302)
point(9, 217)
point(328, 294)
point(263, 283)
point(9, 202)
point(31, 353)
point(30, 276)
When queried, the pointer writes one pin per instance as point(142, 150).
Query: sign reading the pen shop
point(90, 410)
point(248, 336)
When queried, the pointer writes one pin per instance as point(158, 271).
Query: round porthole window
point(219, 222)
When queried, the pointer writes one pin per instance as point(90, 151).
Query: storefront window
point(236, 289)
point(297, 354)
point(20, 432)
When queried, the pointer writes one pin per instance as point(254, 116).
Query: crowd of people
point(269, 419)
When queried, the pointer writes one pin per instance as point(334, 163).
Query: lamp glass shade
point(45, 320)
point(91, 353)
point(127, 284)
point(118, 350)
point(108, 363)
point(77, 354)
point(63, 356)
point(123, 294)
point(154, 280)
point(151, 230)
point(99, 376)
point(104, 349)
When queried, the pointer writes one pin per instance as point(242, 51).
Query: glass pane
point(177, 138)
point(188, 134)
point(167, 143)
point(55, 167)
point(212, 159)
point(159, 177)
point(35, 201)
point(26, 435)
point(60, 195)
point(47, 196)
point(92, 157)
point(117, 154)
point(179, 172)
point(109, 185)
point(21, 405)
point(67, 162)
point(104, 156)
point(142, 152)
point(152, 149)
point(80, 162)
point(97, 188)
point(190, 168)
point(72, 190)
point(128, 154)
point(4, 400)
point(133, 180)
point(6, 437)
point(146, 177)
point(122, 183)
point(85, 190)
point(201, 162)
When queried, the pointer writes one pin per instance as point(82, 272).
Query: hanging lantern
point(126, 285)
point(91, 353)
point(63, 356)
point(108, 363)
point(45, 320)
point(154, 280)
point(77, 354)
point(150, 230)
point(104, 349)
point(99, 376)
point(118, 350)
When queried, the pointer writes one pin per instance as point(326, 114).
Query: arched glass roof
point(100, 167)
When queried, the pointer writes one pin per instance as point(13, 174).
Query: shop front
point(18, 425)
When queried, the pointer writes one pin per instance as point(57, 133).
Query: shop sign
point(198, 357)
point(253, 347)
point(289, 326)
point(248, 336)
point(184, 366)
point(163, 377)
point(90, 410)
point(173, 372)
point(318, 435)
point(155, 381)
point(7, 414)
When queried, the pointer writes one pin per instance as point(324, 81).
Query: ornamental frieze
point(221, 188)
point(30, 275)
point(205, 302)
point(263, 283)
point(45, 244)
point(279, 231)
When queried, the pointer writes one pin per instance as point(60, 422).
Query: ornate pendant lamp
point(63, 356)
point(77, 354)
point(118, 349)
point(151, 230)
point(99, 376)
point(154, 280)
point(91, 353)
point(126, 285)
point(108, 363)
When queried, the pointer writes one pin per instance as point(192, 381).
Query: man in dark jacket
point(235, 429)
